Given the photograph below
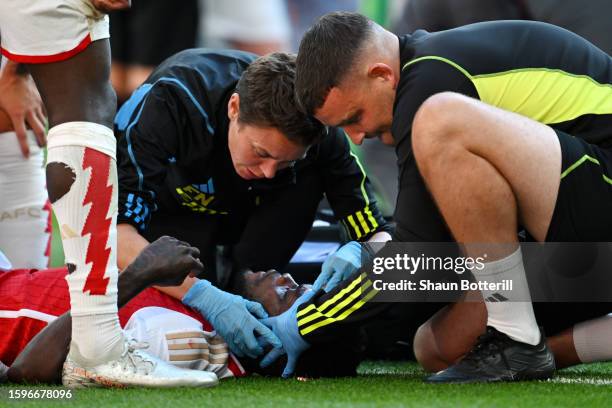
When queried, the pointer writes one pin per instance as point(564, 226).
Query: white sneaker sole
point(77, 377)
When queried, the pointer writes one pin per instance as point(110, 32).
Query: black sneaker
point(496, 357)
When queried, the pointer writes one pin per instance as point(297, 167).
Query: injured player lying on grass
point(579, 332)
point(169, 330)
point(180, 335)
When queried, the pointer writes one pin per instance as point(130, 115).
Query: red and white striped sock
point(87, 217)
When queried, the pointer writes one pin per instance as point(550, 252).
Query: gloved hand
point(233, 318)
point(285, 326)
point(339, 266)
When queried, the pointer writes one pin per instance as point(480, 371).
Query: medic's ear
point(381, 70)
point(233, 106)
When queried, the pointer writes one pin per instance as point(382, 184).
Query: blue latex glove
point(339, 266)
point(233, 318)
point(285, 327)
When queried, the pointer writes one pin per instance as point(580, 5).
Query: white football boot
point(134, 368)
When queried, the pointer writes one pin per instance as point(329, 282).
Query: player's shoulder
point(196, 56)
point(479, 33)
point(200, 78)
point(203, 63)
point(487, 46)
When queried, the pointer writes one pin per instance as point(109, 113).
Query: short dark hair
point(267, 99)
point(327, 53)
point(338, 359)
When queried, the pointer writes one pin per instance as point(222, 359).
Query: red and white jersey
point(42, 31)
point(31, 299)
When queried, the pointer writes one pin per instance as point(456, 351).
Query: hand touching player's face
point(274, 291)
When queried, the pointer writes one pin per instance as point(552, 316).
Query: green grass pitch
point(379, 384)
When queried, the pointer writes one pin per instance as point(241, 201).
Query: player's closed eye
point(353, 120)
point(261, 153)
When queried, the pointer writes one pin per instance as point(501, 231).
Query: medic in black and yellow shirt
point(536, 70)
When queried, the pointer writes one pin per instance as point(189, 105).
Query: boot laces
point(133, 360)
point(489, 344)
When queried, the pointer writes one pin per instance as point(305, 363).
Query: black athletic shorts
point(583, 212)
point(555, 317)
point(152, 30)
point(402, 320)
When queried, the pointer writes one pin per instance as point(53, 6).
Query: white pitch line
point(581, 380)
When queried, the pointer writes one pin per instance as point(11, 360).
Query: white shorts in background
point(25, 211)
point(42, 31)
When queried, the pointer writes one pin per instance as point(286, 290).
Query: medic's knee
point(437, 122)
